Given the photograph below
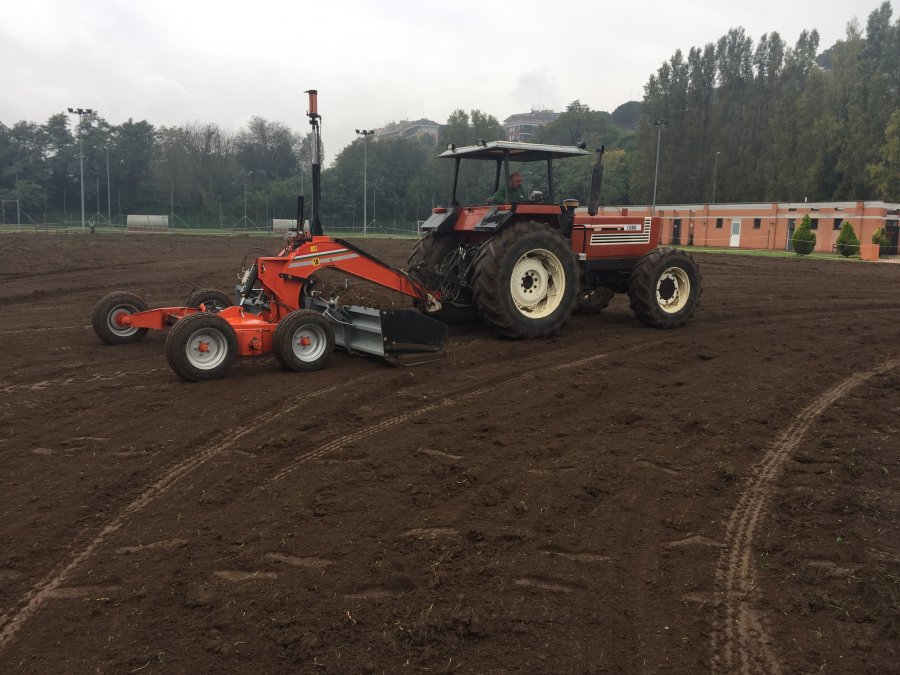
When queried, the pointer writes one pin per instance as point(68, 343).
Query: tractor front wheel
point(303, 341)
point(212, 300)
point(664, 288)
point(201, 347)
point(526, 280)
point(107, 313)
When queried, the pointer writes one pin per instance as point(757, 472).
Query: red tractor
point(524, 268)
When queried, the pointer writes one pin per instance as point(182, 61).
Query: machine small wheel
point(201, 347)
point(212, 300)
point(303, 341)
point(593, 300)
point(107, 314)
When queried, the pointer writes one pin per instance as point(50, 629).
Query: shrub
point(883, 240)
point(804, 238)
point(847, 241)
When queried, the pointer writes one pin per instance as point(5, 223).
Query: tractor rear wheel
point(201, 347)
point(428, 255)
point(106, 313)
point(304, 341)
point(593, 300)
point(526, 279)
point(213, 301)
point(664, 288)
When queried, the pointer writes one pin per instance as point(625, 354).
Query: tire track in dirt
point(28, 605)
point(739, 642)
point(31, 602)
point(43, 329)
point(41, 385)
point(395, 420)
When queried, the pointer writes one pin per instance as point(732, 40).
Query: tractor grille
point(619, 237)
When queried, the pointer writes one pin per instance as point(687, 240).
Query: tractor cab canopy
point(502, 152)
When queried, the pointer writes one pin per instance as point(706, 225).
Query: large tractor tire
point(526, 281)
point(108, 309)
point(201, 346)
point(304, 341)
point(212, 300)
point(427, 255)
point(593, 300)
point(664, 288)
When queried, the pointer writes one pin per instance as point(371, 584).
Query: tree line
point(787, 122)
point(747, 121)
point(195, 171)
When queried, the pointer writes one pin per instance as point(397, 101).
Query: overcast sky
point(172, 62)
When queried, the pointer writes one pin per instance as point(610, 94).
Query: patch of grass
point(767, 253)
point(725, 471)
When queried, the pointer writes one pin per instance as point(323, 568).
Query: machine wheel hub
point(206, 349)
point(309, 342)
point(537, 283)
point(673, 290)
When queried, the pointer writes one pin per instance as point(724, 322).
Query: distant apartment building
point(522, 126)
point(406, 129)
point(768, 225)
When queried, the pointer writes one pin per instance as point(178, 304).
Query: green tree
point(885, 173)
point(847, 242)
point(883, 240)
point(804, 238)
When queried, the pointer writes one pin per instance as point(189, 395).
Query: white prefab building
point(140, 223)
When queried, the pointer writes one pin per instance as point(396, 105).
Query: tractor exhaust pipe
point(596, 182)
point(314, 117)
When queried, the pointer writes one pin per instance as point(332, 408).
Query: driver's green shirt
point(515, 196)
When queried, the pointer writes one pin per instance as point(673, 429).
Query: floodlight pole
point(18, 209)
point(108, 193)
point(80, 112)
point(365, 133)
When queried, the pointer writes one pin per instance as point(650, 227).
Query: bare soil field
point(721, 497)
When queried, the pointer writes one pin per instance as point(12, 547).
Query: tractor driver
point(516, 193)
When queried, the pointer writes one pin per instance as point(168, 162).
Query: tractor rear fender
point(490, 220)
point(441, 220)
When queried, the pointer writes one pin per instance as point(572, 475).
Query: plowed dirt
point(616, 499)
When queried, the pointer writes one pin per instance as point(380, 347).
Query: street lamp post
point(365, 133)
point(715, 175)
point(108, 193)
point(245, 219)
point(659, 124)
point(81, 112)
